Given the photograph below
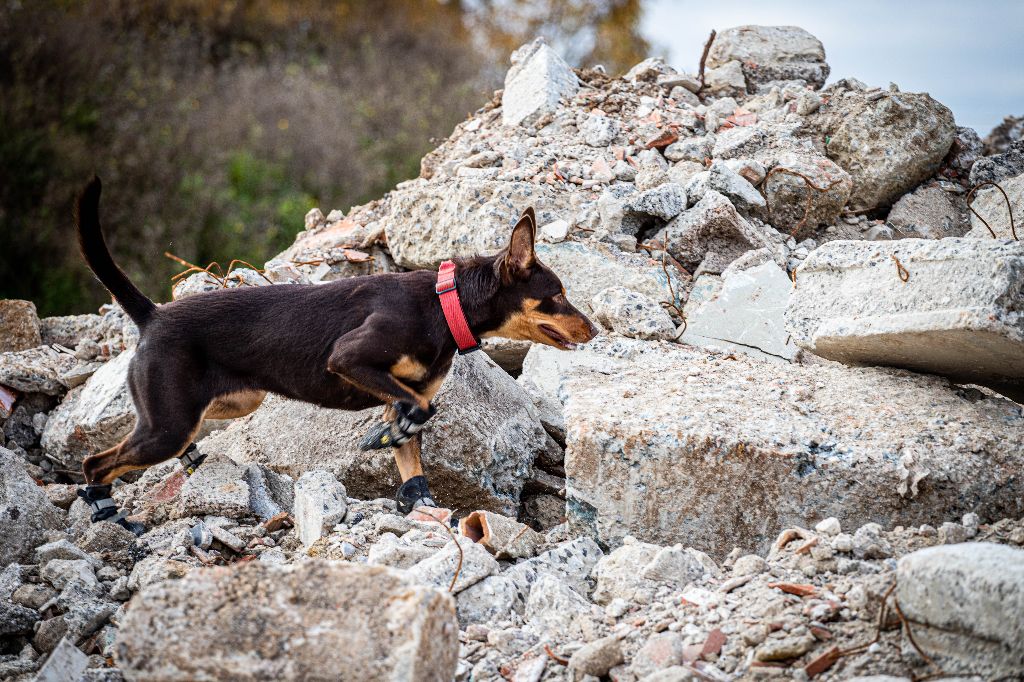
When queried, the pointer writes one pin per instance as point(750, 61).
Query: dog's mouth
point(560, 340)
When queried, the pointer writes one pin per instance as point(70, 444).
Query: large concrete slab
point(671, 444)
point(960, 312)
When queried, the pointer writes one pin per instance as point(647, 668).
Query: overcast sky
point(968, 54)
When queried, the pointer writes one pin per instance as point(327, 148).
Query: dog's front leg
point(414, 491)
point(357, 358)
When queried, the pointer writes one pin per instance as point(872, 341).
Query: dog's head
point(530, 299)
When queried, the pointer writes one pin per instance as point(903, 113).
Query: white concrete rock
point(535, 84)
point(295, 622)
point(792, 203)
point(712, 235)
point(738, 189)
point(746, 315)
point(599, 130)
point(665, 202)
point(26, 511)
point(958, 313)
point(967, 603)
point(888, 143)
point(93, 417)
point(320, 504)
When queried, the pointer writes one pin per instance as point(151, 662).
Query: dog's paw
point(414, 493)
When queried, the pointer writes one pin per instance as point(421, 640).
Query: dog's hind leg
point(229, 406)
point(167, 421)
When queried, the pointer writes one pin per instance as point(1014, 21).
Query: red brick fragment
point(799, 589)
point(822, 662)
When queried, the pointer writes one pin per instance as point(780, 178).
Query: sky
point(967, 54)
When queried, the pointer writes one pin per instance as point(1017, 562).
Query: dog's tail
point(97, 256)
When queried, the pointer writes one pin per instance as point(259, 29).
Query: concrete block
point(958, 314)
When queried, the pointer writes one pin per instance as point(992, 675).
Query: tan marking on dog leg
point(407, 457)
point(434, 386)
point(409, 368)
point(234, 405)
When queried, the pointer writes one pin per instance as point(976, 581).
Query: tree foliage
point(216, 125)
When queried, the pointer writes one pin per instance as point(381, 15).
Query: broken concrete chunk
point(294, 623)
point(503, 537)
point(665, 202)
point(793, 203)
point(472, 564)
point(545, 369)
point(599, 130)
point(426, 224)
point(535, 84)
point(92, 418)
point(929, 212)
point(553, 606)
point(957, 313)
point(967, 604)
point(999, 167)
point(217, 487)
point(770, 54)
point(320, 504)
point(19, 325)
point(737, 188)
point(26, 511)
point(663, 448)
point(587, 268)
point(712, 234)
point(66, 663)
point(725, 80)
point(888, 144)
point(36, 370)
point(746, 314)
point(989, 203)
point(631, 314)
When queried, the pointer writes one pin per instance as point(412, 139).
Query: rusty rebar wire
point(458, 567)
point(807, 202)
point(704, 59)
point(194, 268)
point(258, 271)
point(901, 271)
point(561, 660)
point(910, 637)
point(1009, 208)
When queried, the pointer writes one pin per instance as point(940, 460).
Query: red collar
point(452, 307)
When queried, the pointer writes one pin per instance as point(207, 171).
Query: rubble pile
point(794, 453)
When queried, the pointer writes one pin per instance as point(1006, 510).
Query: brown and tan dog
point(349, 344)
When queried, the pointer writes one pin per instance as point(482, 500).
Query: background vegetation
point(216, 125)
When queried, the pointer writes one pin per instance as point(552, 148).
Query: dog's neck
point(478, 289)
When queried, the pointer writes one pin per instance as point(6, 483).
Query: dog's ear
point(519, 255)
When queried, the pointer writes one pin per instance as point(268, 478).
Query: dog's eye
point(559, 299)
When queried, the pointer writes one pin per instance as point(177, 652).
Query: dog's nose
point(592, 330)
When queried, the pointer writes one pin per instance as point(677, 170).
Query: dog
point(350, 344)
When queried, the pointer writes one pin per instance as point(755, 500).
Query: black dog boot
point(105, 509)
point(414, 493)
point(191, 459)
point(409, 420)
